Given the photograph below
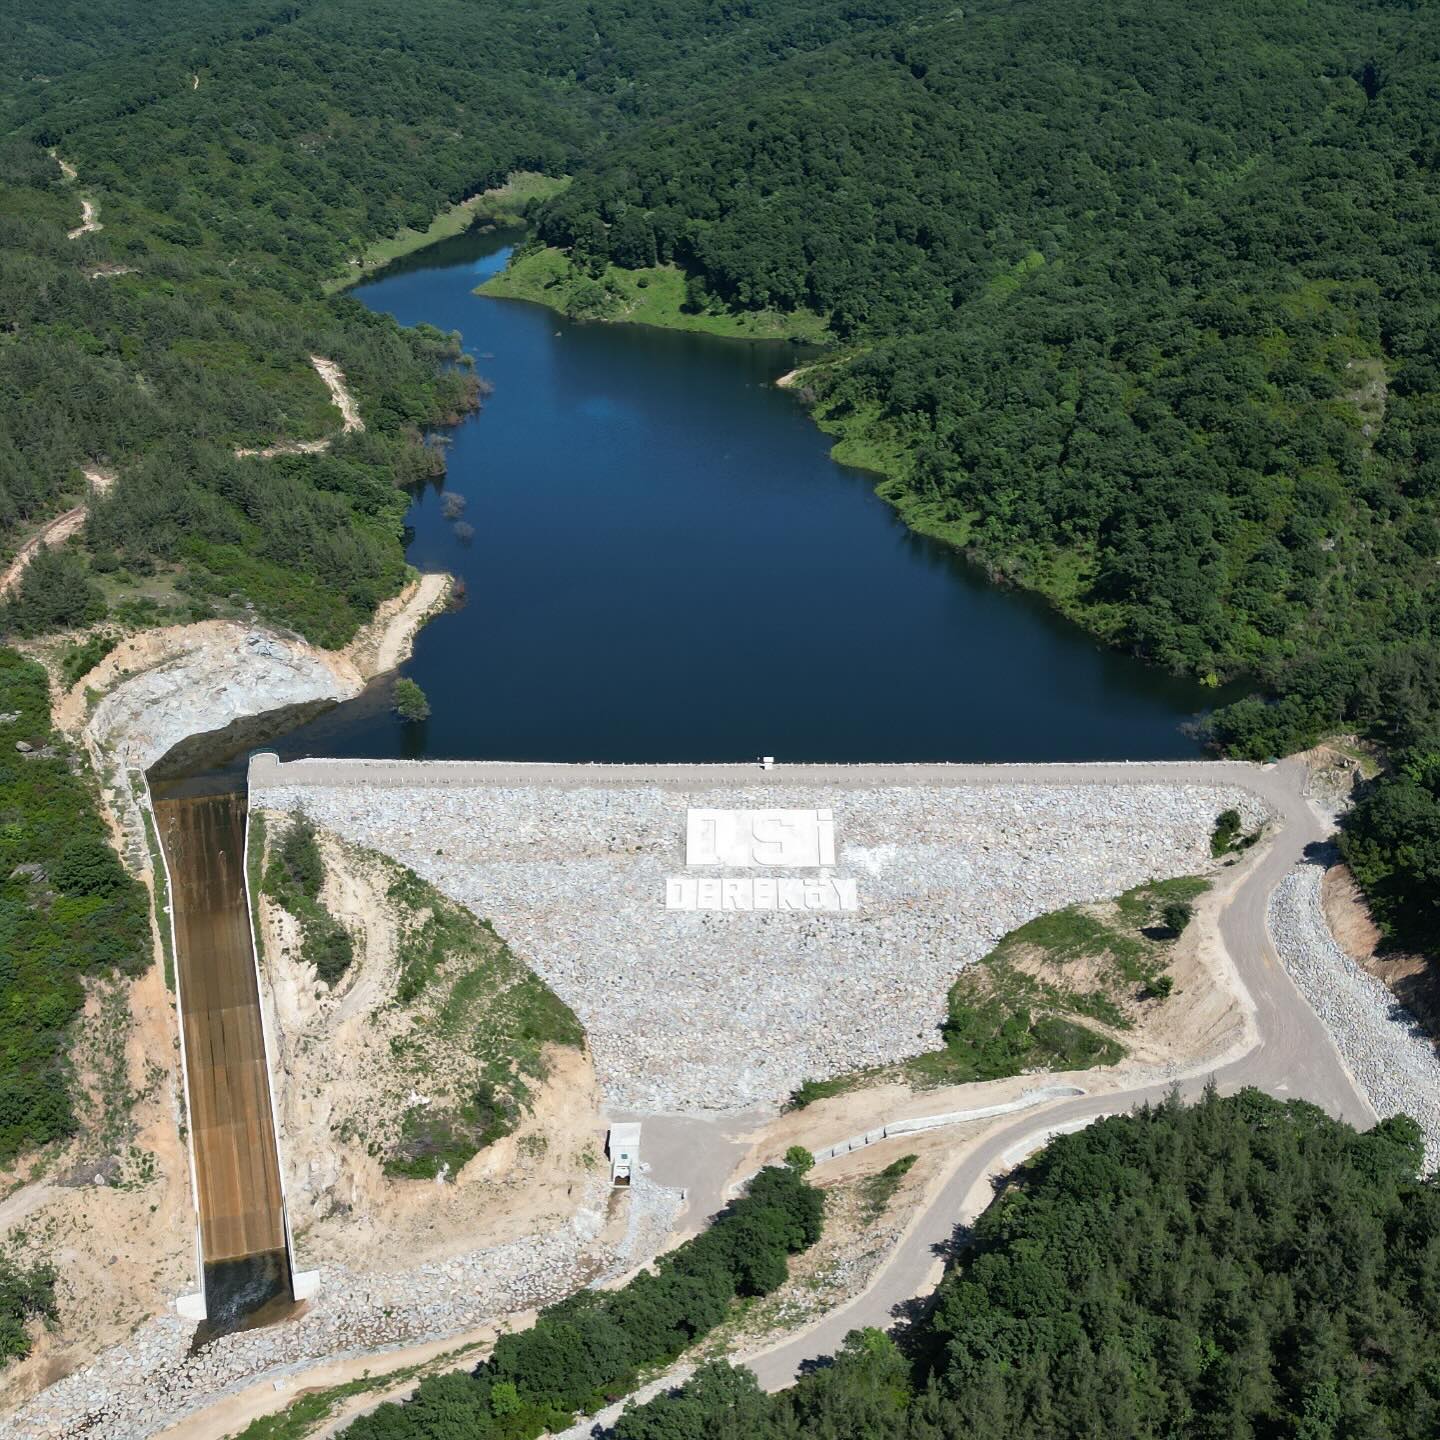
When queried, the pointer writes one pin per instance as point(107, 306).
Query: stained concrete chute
point(244, 1239)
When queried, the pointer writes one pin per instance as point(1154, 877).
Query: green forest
point(238, 165)
point(67, 910)
point(240, 157)
point(1140, 308)
point(1242, 1268)
point(1136, 304)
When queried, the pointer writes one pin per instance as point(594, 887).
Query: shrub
point(293, 880)
point(80, 660)
point(1177, 915)
point(25, 1295)
point(799, 1159)
point(409, 702)
point(1227, 829)
point(297, 863)
point(88, 866)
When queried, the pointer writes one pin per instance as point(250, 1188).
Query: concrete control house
point(624, 1147)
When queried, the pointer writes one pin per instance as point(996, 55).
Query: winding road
point(1291, 1054)
point(1293, 1057)
point(1288, 1053)
point(55, 532)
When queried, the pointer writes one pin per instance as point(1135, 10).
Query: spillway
point(239, 1194)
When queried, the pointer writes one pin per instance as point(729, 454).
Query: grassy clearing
point(480, 1025)
point(507, 204)
point(1055, 994)
point(638, 297)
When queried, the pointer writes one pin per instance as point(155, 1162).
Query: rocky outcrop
point(207, 677)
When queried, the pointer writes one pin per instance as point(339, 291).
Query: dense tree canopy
point(1391, 841)
point(1243, 1268)
point(67, 910)
point(1143, 307)
point(240, 156)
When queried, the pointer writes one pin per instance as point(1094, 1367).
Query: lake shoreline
point(541, 278)
point(684, 449)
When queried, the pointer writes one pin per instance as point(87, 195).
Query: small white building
point(623, 1144)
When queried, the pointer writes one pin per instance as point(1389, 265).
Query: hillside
point(236, 165)
point(1139, 305)
point(1239, 1268)
point(1136, 304)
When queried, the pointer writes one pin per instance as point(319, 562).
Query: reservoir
point(666, 565)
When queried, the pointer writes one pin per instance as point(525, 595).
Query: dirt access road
point(56, 532)
point(1292, 1057)
point(344, 402)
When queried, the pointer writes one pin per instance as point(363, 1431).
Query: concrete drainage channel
point(922, 1123)
point(244, 1237)
point(1027, 1101)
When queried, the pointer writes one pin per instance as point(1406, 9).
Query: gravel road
point(1294, 1056)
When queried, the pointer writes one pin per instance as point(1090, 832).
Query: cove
point(666, 565)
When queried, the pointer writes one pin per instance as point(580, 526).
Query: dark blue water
point(666, 565)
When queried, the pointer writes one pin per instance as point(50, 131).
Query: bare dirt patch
point(284, 447)
point(88, 223)
point(387, 640)
point(123, 1245)
point(334, 378)
point(353, 1062)
point(1337, 768)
